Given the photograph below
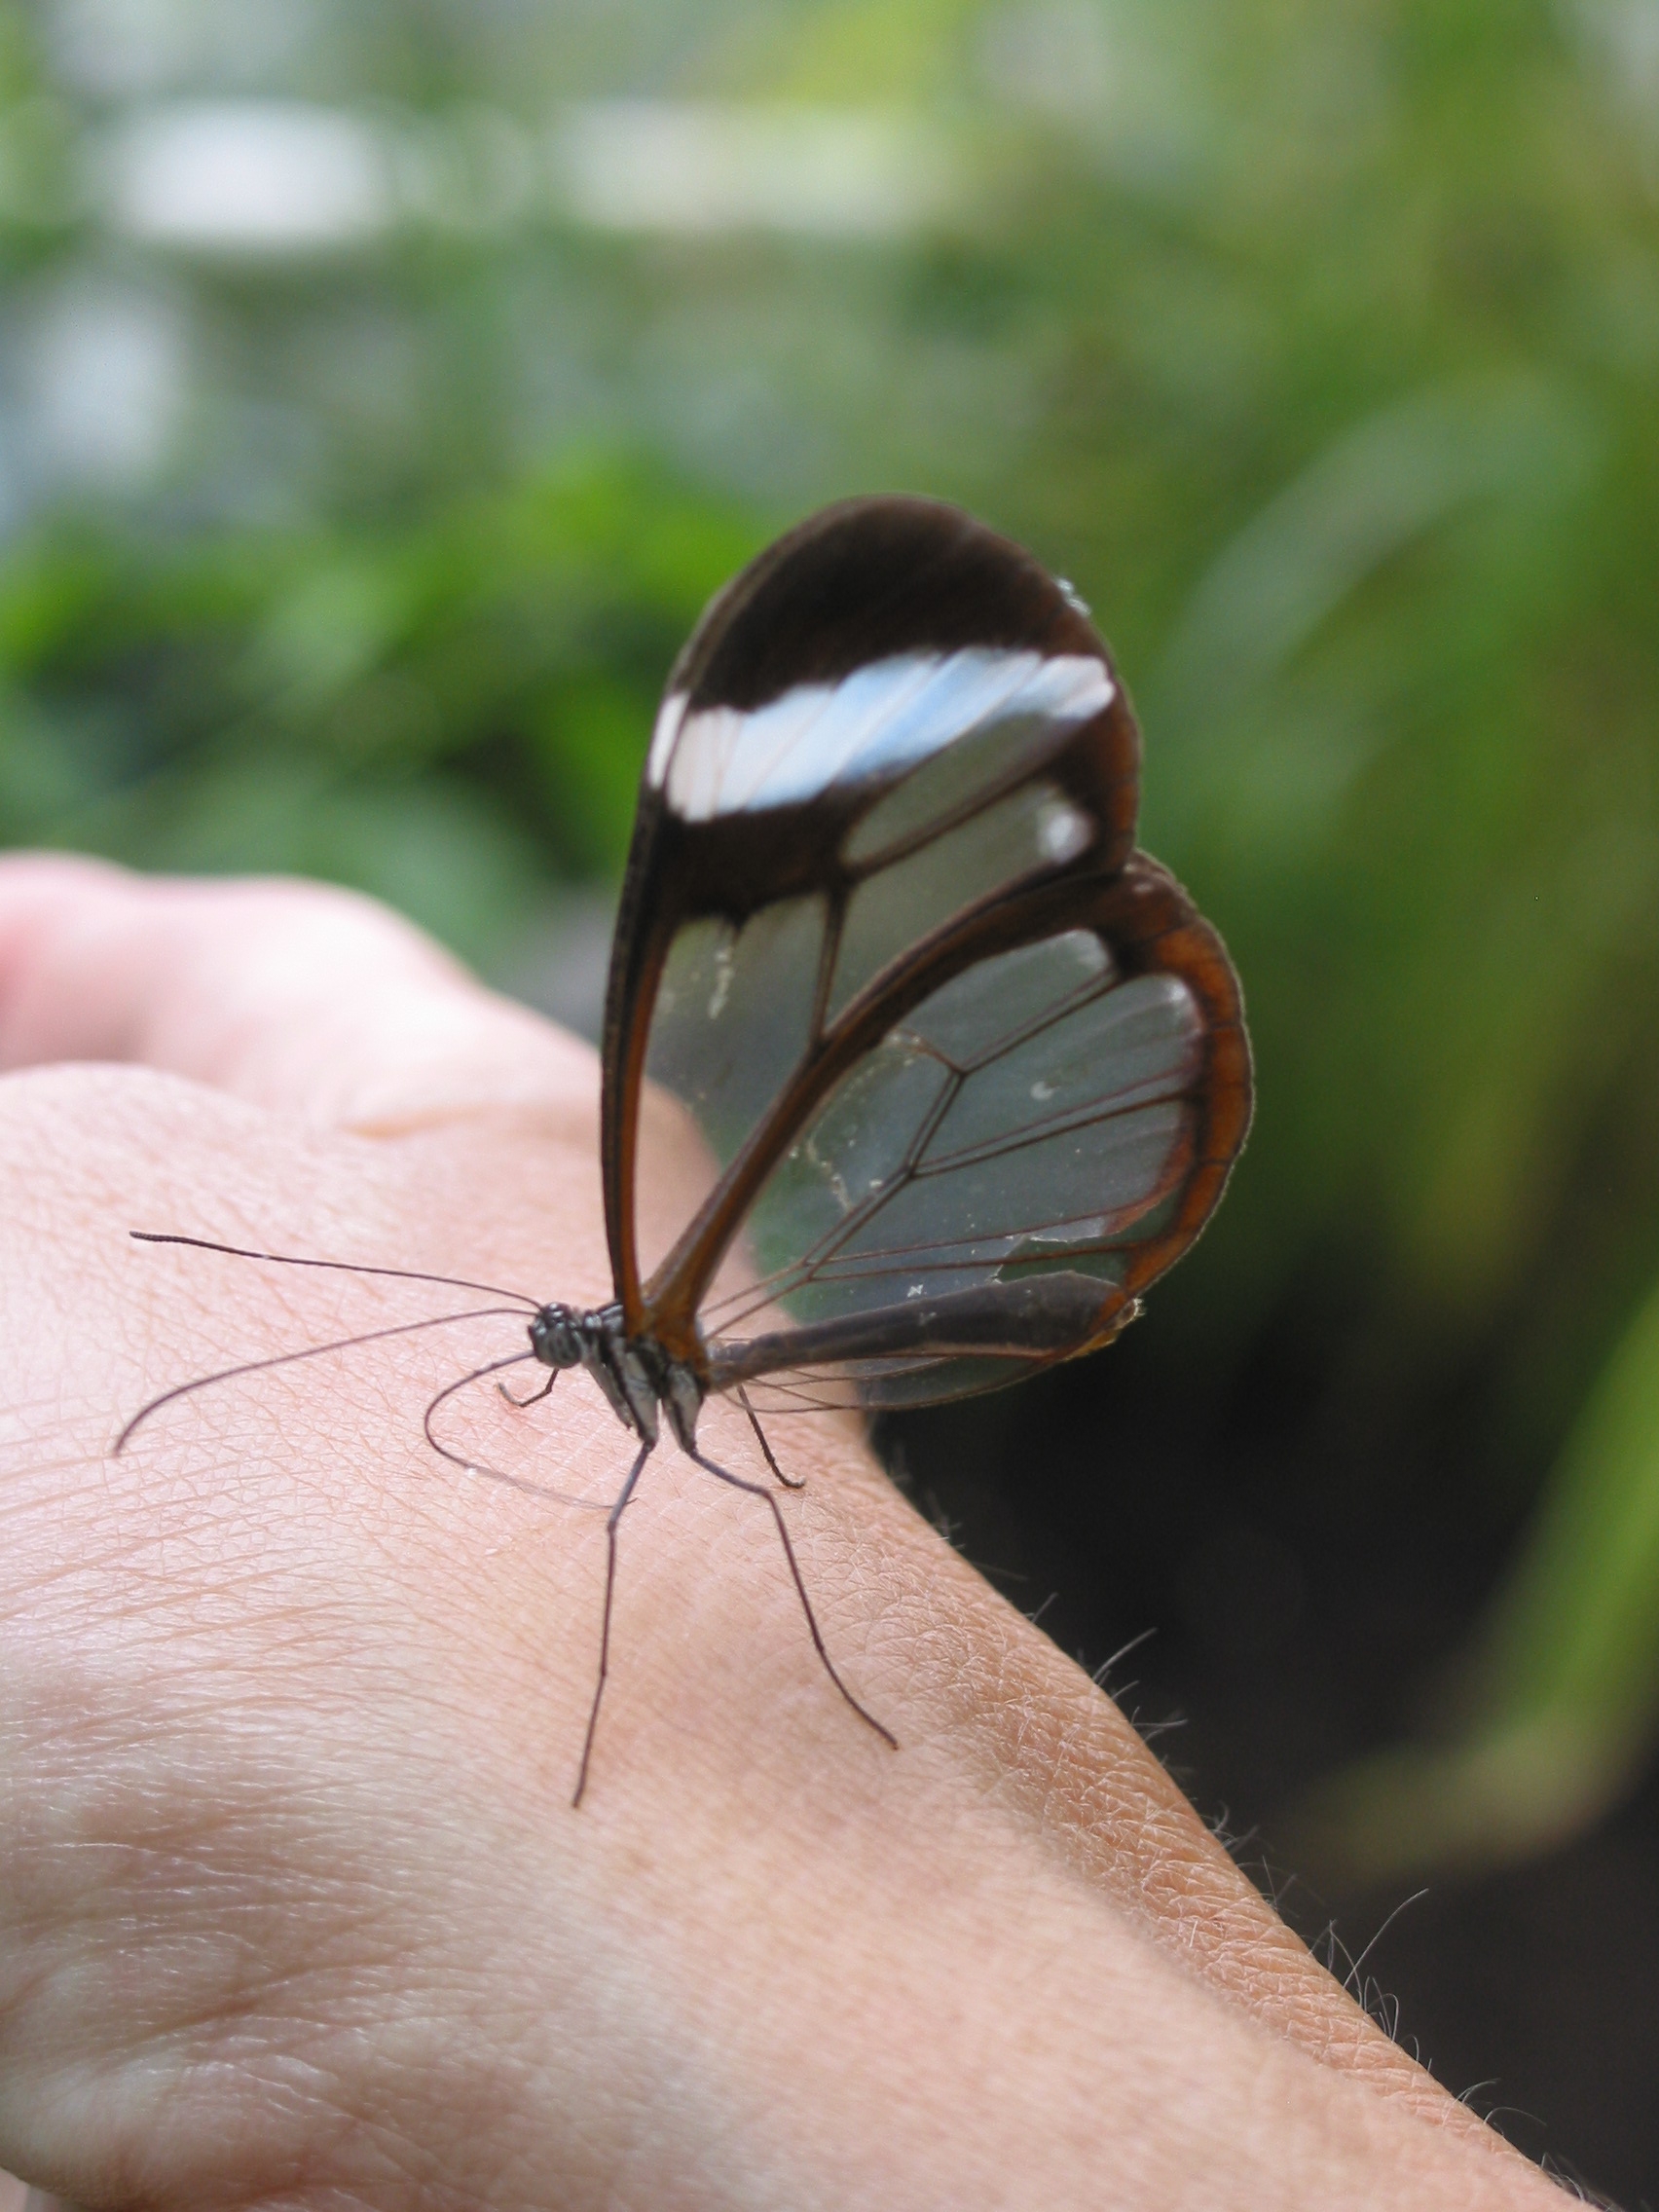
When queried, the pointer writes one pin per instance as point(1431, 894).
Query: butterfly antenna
point(290, 1358)
point(477, 1466)
point(340, 1266)
point(759, 1490)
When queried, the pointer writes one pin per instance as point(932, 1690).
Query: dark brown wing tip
point(864, 580)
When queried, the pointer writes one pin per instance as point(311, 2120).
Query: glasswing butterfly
point(966, 1070)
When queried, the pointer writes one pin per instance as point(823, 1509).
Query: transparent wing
point(992, 1185)
point(744, 1005)
point(733, 1020)
point(915, 1073)
point(971, 1141)
point(892, 718)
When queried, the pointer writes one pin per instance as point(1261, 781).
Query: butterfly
point(964, 1071)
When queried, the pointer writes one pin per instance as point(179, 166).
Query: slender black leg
point(535, 1396)
point(614, 1516)
point(759, 1490)
point(788, 1482)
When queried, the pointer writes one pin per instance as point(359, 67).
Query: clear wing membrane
point(937, 1164)
point(961, 1072)
point(992, 1185)
point(733, 1020)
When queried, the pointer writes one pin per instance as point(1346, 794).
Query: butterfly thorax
point(639, 1377)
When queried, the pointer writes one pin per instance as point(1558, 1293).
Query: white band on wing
point(875, 722)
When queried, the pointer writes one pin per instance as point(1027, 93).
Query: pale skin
point(295, 1910)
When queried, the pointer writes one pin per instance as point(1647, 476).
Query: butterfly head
point(556, 1337)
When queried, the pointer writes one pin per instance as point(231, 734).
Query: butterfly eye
point(554, 1337)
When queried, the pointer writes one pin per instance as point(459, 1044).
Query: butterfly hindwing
point(1000, 1178)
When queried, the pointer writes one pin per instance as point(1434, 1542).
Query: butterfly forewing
point(959, 1074)
point(731, 1022)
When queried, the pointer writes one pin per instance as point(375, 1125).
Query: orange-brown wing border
point(1151, 927)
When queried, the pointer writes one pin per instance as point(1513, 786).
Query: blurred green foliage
point(1316, 340)
point(443, 710)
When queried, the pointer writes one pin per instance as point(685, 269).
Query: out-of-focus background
point(386, 383)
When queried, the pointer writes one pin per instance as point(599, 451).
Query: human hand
point(296, 1911)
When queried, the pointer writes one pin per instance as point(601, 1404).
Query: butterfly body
point(637, 1376)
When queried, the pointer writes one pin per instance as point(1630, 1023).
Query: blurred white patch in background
point(248, 177)
point(272, 178)
point(103, 378)
point(670, 166)
point(135, 49)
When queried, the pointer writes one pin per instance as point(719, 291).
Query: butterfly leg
point(449, 1391)
point(612, 1519)
point(759, 1490)
point(789, 1482)
point(478, 1467)
point(535, 1396)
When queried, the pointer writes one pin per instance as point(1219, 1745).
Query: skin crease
point(295, 1910)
